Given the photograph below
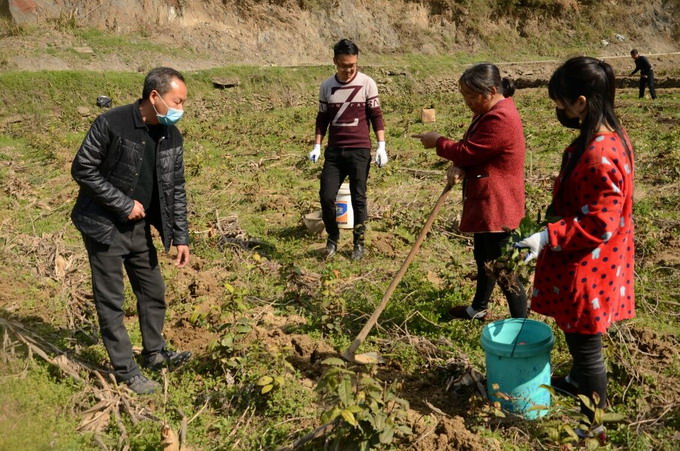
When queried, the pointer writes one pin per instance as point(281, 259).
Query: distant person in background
point(643, 65)
point(490, 157)
point(348, 102)
point(584, 273)
point(130, 169)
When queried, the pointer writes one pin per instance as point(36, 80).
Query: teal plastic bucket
point(517, 364)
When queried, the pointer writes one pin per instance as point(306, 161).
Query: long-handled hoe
point(374, 357)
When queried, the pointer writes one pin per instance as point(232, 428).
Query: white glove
point(381, 155)
point(316, 153)
point(535, 243)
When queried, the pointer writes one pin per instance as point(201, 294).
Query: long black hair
point(594, 79)
point(482, 77)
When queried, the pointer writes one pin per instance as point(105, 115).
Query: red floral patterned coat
point(584, 277)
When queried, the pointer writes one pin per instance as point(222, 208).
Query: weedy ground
point(259, 306)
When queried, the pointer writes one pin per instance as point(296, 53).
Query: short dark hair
point(634, 52)
point(345, 47)
point(159, 80)
point(482, 77)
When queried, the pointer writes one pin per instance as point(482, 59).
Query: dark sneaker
point(466, 313)
point(562, 385)
point(600, 433)
point(142, 385)
point(331, 248)
point(166, 358)
point(358, 252)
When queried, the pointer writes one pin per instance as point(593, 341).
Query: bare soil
point(448, 433)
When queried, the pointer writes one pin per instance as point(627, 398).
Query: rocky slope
point(301, 31)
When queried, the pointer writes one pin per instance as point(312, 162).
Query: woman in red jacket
point(584, 275)
point(491, 157)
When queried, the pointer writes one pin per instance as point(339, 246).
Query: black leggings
point(588, 369)
point(486, 249)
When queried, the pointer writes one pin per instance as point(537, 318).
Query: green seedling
point(511, 262)
point(366, 412)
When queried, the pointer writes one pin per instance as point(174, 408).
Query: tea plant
point(275, 377)
point(561, 432)
point(229, 349)
point(511, 262)
point(366, 413)
point(234, 303)
point(332, 309)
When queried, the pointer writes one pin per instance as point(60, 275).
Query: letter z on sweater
point(345, 110)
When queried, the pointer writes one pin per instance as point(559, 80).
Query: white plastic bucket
point(313, 222)
point(344, 215)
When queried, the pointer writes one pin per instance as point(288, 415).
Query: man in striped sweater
point(348, 101)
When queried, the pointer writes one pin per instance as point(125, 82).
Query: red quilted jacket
point(492, 155)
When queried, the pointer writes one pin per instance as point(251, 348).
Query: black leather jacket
point(107, 166)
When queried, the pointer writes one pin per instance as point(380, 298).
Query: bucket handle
point(512, 354)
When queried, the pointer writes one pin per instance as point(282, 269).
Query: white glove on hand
point(316, 153)
point(535, 243)
point(381, 155)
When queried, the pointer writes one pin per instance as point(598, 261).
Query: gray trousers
point(133, 249)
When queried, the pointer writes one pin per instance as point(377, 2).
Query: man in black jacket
point(130, 168)
point(643, 65)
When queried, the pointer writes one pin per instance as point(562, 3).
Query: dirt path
point(531, 74)
point(92, 50)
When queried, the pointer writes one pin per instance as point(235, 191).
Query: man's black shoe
point(358, 252)
point(166, 358)
point(142, 385)
point(331, 248)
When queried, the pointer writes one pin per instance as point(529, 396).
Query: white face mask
point(171, 117)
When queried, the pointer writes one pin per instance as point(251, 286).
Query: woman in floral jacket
point(584, 275)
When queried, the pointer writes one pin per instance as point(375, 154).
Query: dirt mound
point(447, 433)
point(655, 345)
point(383, 243)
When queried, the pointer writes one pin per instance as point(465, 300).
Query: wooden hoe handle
point(397, 278)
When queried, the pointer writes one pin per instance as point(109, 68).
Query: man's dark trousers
point(339, 163)
point(648, 80)
point(133, 248)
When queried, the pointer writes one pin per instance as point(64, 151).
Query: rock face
point(98, 13)
point(30, 11)
point(278, 31)
point(302, 31)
